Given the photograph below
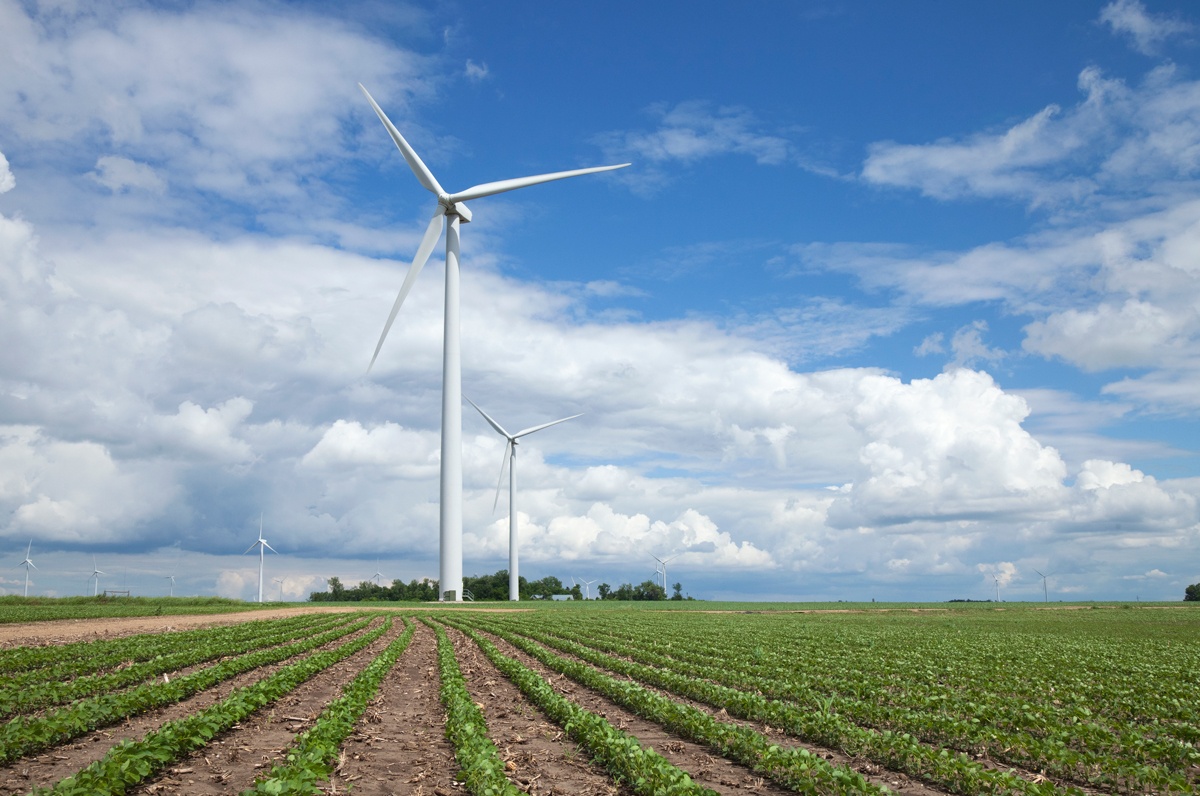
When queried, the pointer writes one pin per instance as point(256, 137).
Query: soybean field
point(585, 698)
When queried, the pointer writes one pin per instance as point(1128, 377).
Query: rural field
point(599, 698)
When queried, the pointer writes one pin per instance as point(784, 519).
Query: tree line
point(489, 588)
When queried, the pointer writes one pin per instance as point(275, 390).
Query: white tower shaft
point(450, 565)
point(514, 580)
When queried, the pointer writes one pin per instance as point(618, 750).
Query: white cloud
point(1148, 31)
point(475, 72)
point(118, 174)
point(7, 180)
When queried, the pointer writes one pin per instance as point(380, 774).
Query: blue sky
point(896, 301)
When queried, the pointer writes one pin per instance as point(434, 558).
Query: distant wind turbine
point(263, 547)
point(28, 564)
point(587, 588)
point(662, 562)
point(1045, 591)
point(377, 574)
point(280, 582)
point(450, 212)
point(510, 461)
point(997, 579)
point(172, 579)
point(96, 573)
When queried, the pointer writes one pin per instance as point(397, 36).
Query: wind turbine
point(280, 582)
point(1045, 591)
point(587, 588)
point(27, 563)
point(662, 562)
point(997, 579)
point(377, 574)
point(172, 579)
point(263, 547)
point(96, 573)
point(451, 213)
point(510, 461)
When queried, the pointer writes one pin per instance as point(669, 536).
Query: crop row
point(898, 751)
point(131, 762)
point(311, 756)
point(25, 735)
point(62, 661)
point(646, 772)
point(1074, 749)
point(23, 698)
point(794, 768)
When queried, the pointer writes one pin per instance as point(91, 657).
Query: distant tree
point(336, 590)
point(1192, 593)
point(576, 592)
point(678, 589)
point(623, 592)
point(649, 590)
point(546, 588)
point(604, 590)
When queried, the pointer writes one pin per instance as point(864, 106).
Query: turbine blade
point(499, 428)
point(251, 547)
point(432, 233)
point(272, 549)
point(500, 481)
point(490, 188)
point(545, 425)
point(33, 565)
point(422, 172)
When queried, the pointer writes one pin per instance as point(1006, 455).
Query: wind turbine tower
point(587, 588)
point(1045, 590)
point(263, 547)
point(662, 563)
point(450, 212)
point(510, 461)
point(28, 564)
point(280, 582)
point(96, 573)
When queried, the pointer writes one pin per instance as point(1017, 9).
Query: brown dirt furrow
point(400, 745)
point(230, 763)
point(704, 766)
point(540, 758)
point(54, 764)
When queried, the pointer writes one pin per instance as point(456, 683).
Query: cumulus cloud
point(1147, 31)
point(118, 174)
point(7, 180)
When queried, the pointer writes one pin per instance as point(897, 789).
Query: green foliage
point(41, 609)
point(312, 756)
point(368, 591)
point(647, 772)
point(466, 729)
point(131, 762)
point(27, 734)
point(1192, 593)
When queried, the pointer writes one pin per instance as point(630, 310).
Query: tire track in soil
point(540, 758)
point(230, 762)
point(400, 745)
point(47, 768)
point(706, 768)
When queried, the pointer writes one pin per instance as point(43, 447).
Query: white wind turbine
point(263, 547)
point(997, 579)
point(510, 461)
point(451, 213)
point(377, 574)
point(662, 566)
point(27, 563)
point(172, 579)
point(96, 573)
point(1045, 591)
point(280, 582)
point(587, 588)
